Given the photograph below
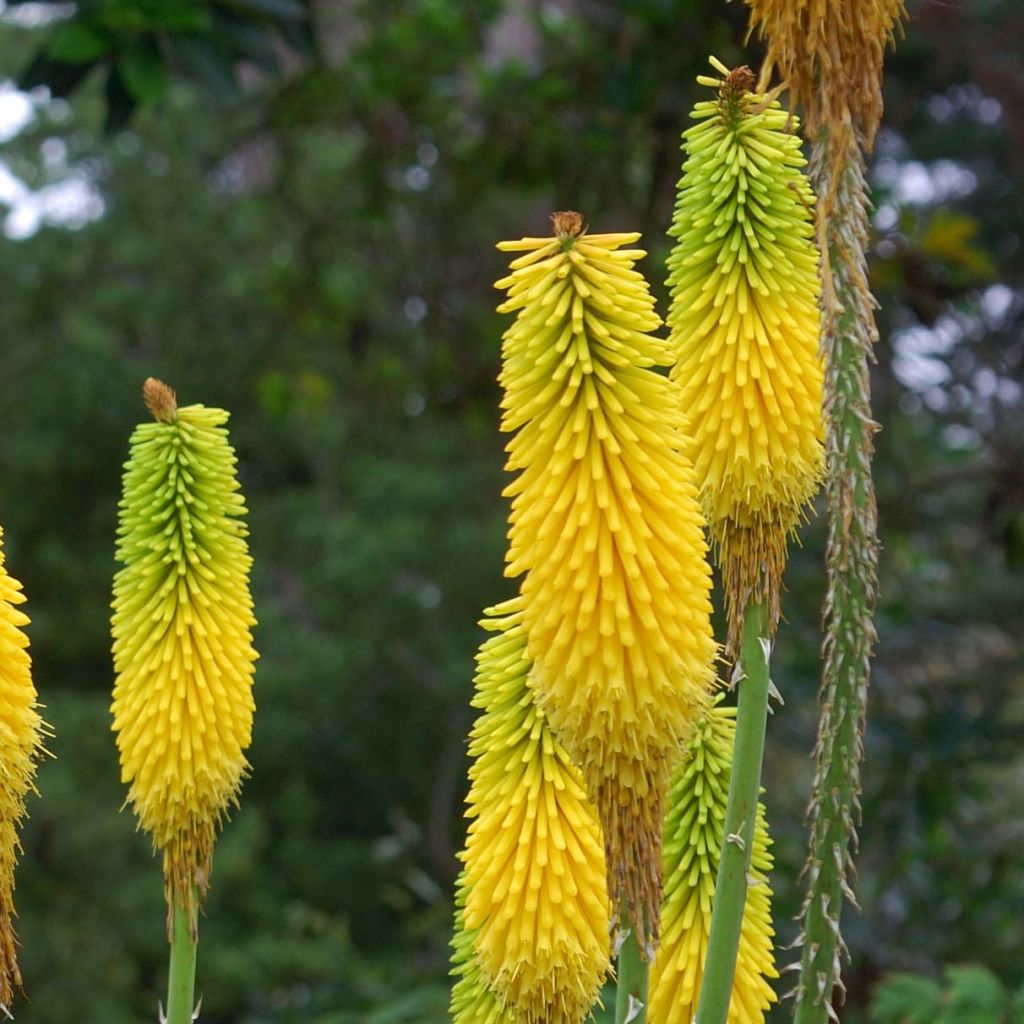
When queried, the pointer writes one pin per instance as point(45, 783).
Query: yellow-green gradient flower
point(182, 621)
point(693, 845)
point(534, 864)
point(744, 325)
point(473, 1000)
point(21, 745)
point(606, 526)
point(830, 55)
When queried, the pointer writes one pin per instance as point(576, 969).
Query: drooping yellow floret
point(744, 325)
point(607, 529)
point(693, 844)
point(535, 893)
point(830, 52)
point(473, 1001)
point(183, 653)
point(21, 745)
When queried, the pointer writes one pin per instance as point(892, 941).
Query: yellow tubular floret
point(693, 844)
point(607, 530)
point(473, 1001)
point(183, 653)
point(535, 894)
point(21, 746)
point(744, 325)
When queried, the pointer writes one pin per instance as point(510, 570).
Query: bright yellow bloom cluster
point(830, 53)
point(21, 745)
point(535, 892)
point(183, 653)
point(607, 528)
point(473, 1000)
point(693, 845)
point(744, 325)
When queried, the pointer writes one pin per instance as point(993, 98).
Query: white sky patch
point(996, 301)
point(70, 200)
point(70, 203)
point(917, 351)
point(12, 189)
point(967, 100)
point(913, 182)
point(886, 217)
point(17, 111)
point(959, 437)
point(33, 15)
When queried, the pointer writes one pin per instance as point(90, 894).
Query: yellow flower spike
point(607, 528)
point(473, 1001)
point(535, 893)
point(182, 620)
point(744, 325)
point(693, 845)
point(21, 745)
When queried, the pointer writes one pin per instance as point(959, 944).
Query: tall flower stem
point(181, 981)
point(740, 812)
point(852, 559)
point(631, 991)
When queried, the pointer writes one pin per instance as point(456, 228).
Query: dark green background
point(300, 211)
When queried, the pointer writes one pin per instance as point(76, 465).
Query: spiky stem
point(740, 811)
point(852, 559)
point(181, 981)
point(633, 966)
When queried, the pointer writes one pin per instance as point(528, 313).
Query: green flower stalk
point(183, 653)
point(744, 326)
point(831, 57)
point(22, 731)
point(694, 833)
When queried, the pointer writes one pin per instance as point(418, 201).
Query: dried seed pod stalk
point(693, 844)
point(831, 56)
point(182, 620)
point(607, 530)
point(744, 325)
point(535, 895)
point(21, 745)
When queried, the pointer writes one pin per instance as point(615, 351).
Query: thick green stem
point(849, 633)
point(181, 982)
point(738, 837)
point(631, 991)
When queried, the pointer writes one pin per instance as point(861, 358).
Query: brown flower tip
point(160, 400)
point(568, 225)
point(737, 82)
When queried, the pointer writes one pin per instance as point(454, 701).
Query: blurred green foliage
point(313, 250)
point(970, 995)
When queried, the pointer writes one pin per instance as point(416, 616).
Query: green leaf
point(77, 42)
point(974, 996)
point(142, 16)
point(144, 73)
point(299, 36)
point(905, 999)
point(57, 76)
point(1017, 1010)
point(411, 1006)
point(291, 9)
point(250, 41)
point(209, 63)
point(120, 103)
